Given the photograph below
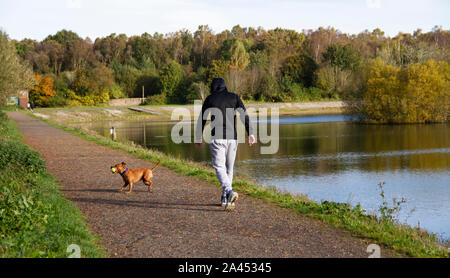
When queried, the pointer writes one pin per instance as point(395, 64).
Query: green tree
point(343, 57)
point(171, 79)
point(301, 69)
point(218, 69)
point(63, 37)
point(259, 59)
point(126, 76)
point(15, 75)
point(112, 48)
point(24, 47)
point(344, 61)
point(239, 58)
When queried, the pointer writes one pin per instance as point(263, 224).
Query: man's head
point(218, 85)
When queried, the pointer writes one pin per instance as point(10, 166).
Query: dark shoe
point(223, 201)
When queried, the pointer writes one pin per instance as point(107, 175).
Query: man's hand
point(198, 145)
point(251, 140)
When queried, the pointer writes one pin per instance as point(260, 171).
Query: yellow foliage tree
point(43, 89)
point(419, 93)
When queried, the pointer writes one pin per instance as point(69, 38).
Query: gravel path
point(180, 218)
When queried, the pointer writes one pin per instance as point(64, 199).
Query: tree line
point(258, 64)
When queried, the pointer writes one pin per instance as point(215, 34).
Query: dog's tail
point(157, 164)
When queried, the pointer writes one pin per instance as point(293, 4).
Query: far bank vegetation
point(401, 79)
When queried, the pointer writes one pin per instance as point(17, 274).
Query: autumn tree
point(111, 48)
point(55, 52)
point(318, 40)
point(205, 46)
point(419, 93)
point(79, 54)
point(280, 44)
point(367, 43)
point(92, 80)
point(42, 91)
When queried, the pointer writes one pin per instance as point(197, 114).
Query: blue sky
point(99, 18)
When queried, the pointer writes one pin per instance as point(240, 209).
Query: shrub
point(293, 91)
point(88, 99)
point(156, 99)
point(116, 92)
point(269, 89)
point(19, 155)
point(58, 100)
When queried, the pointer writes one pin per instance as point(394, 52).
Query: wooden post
point(145, 139)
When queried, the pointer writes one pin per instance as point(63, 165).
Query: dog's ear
point(123, 163)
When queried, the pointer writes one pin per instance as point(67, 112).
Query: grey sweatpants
point(223, 154)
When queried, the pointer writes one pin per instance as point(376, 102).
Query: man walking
point(223, 106)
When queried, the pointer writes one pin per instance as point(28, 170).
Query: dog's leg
point(131, 188)
point(123, 187)
point(149, 184)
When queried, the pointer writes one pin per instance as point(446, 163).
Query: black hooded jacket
point(222, 99)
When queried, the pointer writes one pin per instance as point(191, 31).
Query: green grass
point(385, 231)
point(36, 220)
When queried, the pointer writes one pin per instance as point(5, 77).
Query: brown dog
point(131, 177)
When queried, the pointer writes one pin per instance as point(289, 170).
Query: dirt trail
point(180, 218)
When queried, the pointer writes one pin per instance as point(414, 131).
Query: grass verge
point(36, 220)
point(383, 230)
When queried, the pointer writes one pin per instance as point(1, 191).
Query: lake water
point(329, 157)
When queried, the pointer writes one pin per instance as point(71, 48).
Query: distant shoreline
point(163, 112)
